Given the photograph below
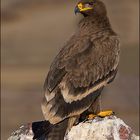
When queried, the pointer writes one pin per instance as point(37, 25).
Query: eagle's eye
point(91, 3)
point(88, 5)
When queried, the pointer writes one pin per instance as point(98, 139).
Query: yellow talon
point(91, 116)
point(101, 114)
point(105, 113)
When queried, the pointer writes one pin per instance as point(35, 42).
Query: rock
point(108, 128)
point(23, 133)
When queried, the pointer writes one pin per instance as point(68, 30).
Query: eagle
point(87, 63)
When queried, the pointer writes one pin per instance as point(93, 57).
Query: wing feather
point(82, 63)
point(65, 60)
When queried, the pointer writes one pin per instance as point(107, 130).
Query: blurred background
point(33, 31)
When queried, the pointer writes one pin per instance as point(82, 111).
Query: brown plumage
point(86, 64)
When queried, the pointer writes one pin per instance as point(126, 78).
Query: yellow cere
point(82, 8)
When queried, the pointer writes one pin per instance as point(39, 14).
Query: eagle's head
point(90, 7)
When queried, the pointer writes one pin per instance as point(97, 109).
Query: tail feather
point(41, 128)
point(44, 130)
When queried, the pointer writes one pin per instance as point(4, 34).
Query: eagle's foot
point(91, 116)
point(103, 114)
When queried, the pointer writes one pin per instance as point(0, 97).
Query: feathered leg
point(96, 110)
point(96, 106)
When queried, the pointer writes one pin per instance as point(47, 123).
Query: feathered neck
point(94, 23)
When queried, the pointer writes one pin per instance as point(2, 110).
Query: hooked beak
point(77, 10)
point(82, 8)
